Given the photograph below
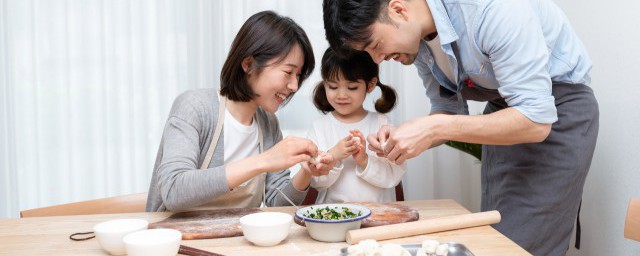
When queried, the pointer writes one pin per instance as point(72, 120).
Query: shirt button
point(430, 60)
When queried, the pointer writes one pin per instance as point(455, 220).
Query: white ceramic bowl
point(157, 242)
point(266, 228)
point(332, 230)
point(110, 233)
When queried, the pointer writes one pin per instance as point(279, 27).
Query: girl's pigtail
point(387, 100)
point(320, 99)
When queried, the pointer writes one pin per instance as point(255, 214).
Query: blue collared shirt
point(515, 46)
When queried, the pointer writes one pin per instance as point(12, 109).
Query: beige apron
point(250, 194)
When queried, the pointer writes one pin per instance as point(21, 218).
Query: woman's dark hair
point(358, 66)
point(347, 22)
point(264, 36)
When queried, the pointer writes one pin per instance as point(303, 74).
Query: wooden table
point(49, 235)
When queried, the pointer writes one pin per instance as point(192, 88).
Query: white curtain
point(86, 86)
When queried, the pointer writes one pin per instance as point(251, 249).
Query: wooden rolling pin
point(423, 226)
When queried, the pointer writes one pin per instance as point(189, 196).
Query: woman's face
point(277, 81)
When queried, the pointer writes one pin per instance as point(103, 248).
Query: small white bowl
point(157, 242)
point(266, 228)
point(332, 230)
point(110, 233)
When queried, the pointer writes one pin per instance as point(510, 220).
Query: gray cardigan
point(177, 183)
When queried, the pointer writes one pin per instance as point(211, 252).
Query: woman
point(225, 150)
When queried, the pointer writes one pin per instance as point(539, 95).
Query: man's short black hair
point(264, 36)
point(347, 22)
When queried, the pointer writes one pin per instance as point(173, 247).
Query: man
point(540, 124)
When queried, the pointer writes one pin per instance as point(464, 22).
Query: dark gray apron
point(537, 187)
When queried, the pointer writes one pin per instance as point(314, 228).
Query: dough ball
point(442, 250)
point(430, 246)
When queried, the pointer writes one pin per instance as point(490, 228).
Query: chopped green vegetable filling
point(328, 213)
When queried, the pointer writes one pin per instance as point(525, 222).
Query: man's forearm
point(504, 127)
point(439, 142)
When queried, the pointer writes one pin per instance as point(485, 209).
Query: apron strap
point(261, 145)
point(216, 137)
point(461, 75)
point(216, 133)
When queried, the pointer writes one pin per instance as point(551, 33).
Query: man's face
point(399, 41)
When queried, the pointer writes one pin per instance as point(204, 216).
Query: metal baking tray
point(455, 249)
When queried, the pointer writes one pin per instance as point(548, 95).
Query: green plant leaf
point(470, 148)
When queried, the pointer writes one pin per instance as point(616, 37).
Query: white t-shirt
point(347, 181)
point(240, 141)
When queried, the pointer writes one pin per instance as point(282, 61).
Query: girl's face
point(277, 81)
point(346, 97)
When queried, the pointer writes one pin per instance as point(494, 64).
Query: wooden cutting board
point(206, 224)
point(384, 214)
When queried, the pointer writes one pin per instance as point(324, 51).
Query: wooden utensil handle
point(424, 226)
point(186, 250)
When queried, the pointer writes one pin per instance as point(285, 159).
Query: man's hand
point(405, 141)
point(378, 141)
point(408, 140)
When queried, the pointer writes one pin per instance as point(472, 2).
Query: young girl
point(225, 150)
point(357, 174)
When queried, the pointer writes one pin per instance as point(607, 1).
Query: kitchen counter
point(50, 235)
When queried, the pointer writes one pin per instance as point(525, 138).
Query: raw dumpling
point(315, 160)
point(367, 247)
point(355, 250)
point(430, 246)
point(393, 250)
point(422, 252)
point(369, 244)
point(442, 250)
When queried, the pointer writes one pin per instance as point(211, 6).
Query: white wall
point(610, 31)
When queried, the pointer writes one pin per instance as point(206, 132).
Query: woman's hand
point(344, 148)
point(321, 167)
point(288, 152)
point(360, 155)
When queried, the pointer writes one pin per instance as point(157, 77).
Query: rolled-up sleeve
point(510, 34)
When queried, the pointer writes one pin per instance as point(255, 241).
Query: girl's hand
point(321, 167)
point(344, 148)
point(288, 152)
point(360, 155)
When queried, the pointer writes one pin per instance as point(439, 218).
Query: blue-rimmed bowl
point(332, 230)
